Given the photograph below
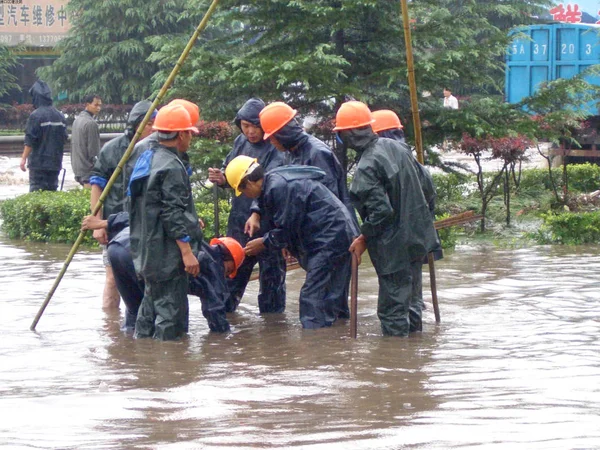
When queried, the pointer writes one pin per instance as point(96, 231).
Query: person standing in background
point(45, 137)
point(85, 140)
point(450, 100)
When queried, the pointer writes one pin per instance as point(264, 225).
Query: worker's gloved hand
point(254, 247)
point(216, 176)
point(252, 224)
point(101, 236)
point(358, 247)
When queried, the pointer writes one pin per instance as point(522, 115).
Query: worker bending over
point(219, 260)
point(307, 219)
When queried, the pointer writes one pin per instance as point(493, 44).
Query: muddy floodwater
point(514, 364)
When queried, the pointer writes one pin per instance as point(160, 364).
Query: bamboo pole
point(417, 126)
point(127, 154)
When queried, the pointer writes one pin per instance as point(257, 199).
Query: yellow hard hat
point(236, 171)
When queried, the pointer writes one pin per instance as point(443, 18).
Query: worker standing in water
point(396, 223)
point(271, 264)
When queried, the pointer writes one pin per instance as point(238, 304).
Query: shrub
point(570, 228)
point(47, 216)
point(205, 210)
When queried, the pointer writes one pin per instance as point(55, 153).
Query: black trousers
point(43, 180)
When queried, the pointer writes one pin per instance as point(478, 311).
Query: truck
point(542, 53)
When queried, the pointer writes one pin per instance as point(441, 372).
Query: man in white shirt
point(450, 100)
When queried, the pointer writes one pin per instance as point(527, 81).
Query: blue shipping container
point(549, 52)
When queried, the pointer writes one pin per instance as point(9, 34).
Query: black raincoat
point(109, 157)
point(386, 190)
point(317, 228)
point(162, 212)
point(271, 296)
point(45, 131)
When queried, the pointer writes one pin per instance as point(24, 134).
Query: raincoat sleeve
point(32, 131)
point(100, 172)
point(376, 209)
point(174, 195)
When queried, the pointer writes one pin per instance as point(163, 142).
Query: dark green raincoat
point(162, 212)
point(386, 191)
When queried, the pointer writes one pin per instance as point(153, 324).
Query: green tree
point(7, 79)
point(106, 49)
point(314, 54)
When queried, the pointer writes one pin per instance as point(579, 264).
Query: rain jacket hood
point(359, 138)
point(249, 112)
point(41, 94)
point(396, 134)
point(291, 135)
point(136, 115)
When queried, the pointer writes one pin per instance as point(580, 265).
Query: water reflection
point(514, 364)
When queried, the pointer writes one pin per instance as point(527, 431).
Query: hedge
point(45, 216)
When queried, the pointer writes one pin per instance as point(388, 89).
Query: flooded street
point(514, 364)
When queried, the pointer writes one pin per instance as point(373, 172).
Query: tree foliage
point(308, 52)
point(106, 50)
point(7, 79)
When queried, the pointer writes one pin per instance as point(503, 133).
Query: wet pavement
point(514, 364)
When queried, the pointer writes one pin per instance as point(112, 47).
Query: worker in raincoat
point(287, 135)
point(397, 227)
point(387, 125)
point(105, 165)
point(165, 232)
point(218, 260)
point(308, 220)
point(151, 140)
point(271, 264)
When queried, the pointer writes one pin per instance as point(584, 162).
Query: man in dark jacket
point(218, 260)
point(165, 232)
point(286, 134)
point(45, 137)
point(308, 220)
point(271, 295)
point(108, 159)
point(397, 227)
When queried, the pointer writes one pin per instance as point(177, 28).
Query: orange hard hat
point(274, 117)
point(234, 248)
point(190, 107)
point(385, 119)
point(173, 118)
point(353, 114)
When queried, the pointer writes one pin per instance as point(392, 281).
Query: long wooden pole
point(414, 103)
point(354, 298)
point(127, 154)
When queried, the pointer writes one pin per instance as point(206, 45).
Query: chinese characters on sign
point(585, 11)
point(37, 23)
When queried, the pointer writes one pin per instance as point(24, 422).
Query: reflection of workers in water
point(218, 260)
point(397, 226)
point(308, 220)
